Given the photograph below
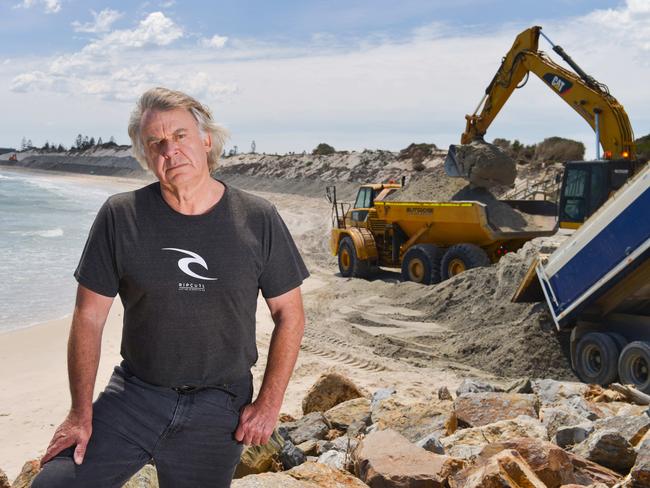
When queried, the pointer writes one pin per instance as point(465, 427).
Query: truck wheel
point(421, 264)
point(349, 264)
point(634, 365)
point(597, 358)
point(461, 257)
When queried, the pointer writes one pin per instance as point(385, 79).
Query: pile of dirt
point(433, 185)
point(485, 164)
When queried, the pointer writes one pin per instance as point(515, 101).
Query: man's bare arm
point(257, 420)
point(84, 346)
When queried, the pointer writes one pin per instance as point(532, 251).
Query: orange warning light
point(608, 154)
point(625, 154)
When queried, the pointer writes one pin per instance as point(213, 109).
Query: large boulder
point(269, 480)
point(458, 443)
point(258, 459)
point(485, 165)
point(329, 390)
point(608, 448)
point(504, 469)
point(469, 385)
point(555, 418)
point(553, 465)
point(344, 414)
point(640, 473)
point(324, 476)
point(147, 477)
point(28, 472)
point(387, 459)
point(312, 426)
point(551, 392)
point(413, 421)
point(4, 481)
point(477, 409)
point(632, 429)
point(573, 434)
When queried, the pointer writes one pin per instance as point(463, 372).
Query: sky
point(291, 74)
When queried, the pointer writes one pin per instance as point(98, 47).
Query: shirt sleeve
point(97, 268)
point(283, 268)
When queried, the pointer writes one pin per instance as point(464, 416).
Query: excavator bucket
point(454, 167)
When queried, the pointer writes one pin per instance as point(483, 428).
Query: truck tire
point(350, 265)
point(634, 365)
point(461, 257)
point(421, 264)
point(597, 358)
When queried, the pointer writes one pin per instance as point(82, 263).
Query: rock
point(485, 165)
point(551, 464)
point(312, 426)
point(356, 428)
point(387, 459)
point(555, 418)
point(323, 476)
point(258, 459)
point(581, 407)
point(147, 477)
point(291, 456)
point(633, 410)
point(523, 426)
point(477, 409)
point(608, 448)
point(431, 443)
point(574, 434)
point(269, 480)
point(4, 481)
point(551, 392)
point(474, 386)
point(333, 459)
point(380, 395)
point(329, 390)
point(308, 447)
point(345, 444)
point(640, 473)
point(344, 414)
point(504, 469)
point(631, 428)
point(27, 474)
point(443, 393)
point(413, 421)
point(523, 385)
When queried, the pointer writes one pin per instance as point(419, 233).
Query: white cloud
point(216, 41)
point(102, 22)
point(156, 29)
point(49, 6)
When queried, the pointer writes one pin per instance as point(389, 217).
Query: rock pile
point(542, 433)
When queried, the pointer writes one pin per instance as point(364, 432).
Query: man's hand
point(75, 429)
point(256, 423)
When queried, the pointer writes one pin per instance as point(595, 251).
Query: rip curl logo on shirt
point(184, 263)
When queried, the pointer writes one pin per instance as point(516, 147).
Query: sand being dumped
point(484, 164)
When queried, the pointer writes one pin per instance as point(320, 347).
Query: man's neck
point(193, 199)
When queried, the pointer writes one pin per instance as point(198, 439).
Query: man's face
point(176, 151)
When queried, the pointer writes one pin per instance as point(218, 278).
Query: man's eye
point(180, 136)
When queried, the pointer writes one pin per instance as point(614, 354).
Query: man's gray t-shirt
point(189, 283)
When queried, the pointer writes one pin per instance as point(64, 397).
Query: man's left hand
point(256, 423)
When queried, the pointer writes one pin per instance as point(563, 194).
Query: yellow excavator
point(586, 185)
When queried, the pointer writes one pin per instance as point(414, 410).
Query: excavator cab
point(587, 185)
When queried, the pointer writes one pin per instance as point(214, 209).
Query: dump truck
point(428, 241)
point(597, 286)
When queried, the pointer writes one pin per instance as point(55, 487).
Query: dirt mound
point(433, 185)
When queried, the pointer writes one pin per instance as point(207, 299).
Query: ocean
point(44, 222)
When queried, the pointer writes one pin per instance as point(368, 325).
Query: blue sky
point(368, 74)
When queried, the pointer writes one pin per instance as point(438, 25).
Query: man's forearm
point(283, 352)
point(84, 346)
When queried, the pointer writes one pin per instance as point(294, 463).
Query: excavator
point(586, 185)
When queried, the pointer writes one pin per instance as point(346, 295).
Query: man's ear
point(207, 142)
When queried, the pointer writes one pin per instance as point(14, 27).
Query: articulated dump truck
point(429, 241)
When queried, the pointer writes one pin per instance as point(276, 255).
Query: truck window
point(575, 193)
point(599, 191)
point(364, 198)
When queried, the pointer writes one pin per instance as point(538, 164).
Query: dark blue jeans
point(188, 436)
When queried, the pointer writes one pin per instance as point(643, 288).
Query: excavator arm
point(589, 98)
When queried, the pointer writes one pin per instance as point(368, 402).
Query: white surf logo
point(184, 263)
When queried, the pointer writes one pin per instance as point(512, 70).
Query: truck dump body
point(604, 267)
point(465, 221)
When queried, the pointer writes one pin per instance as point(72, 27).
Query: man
point(187, 255)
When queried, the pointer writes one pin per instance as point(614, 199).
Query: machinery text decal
point(560, 84)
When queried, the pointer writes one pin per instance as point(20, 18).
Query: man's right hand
point(76, 430)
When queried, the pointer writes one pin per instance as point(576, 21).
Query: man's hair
point(165, 99)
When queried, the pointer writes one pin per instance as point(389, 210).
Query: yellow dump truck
point(429, 241)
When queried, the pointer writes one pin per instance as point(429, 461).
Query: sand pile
point(485, 164)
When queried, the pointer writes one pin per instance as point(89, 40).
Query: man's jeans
point(189, 436)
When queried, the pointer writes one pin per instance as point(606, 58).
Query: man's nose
point(168, 148)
